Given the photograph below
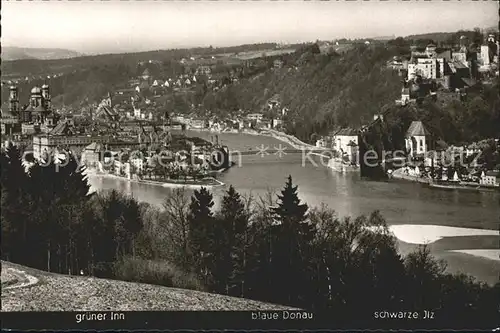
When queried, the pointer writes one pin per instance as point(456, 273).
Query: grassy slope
point(55, 292)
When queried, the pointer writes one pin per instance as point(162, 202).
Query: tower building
point(35, 117)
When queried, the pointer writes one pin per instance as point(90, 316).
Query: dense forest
point(274, 249)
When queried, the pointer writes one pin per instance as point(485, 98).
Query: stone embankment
point(289, 139)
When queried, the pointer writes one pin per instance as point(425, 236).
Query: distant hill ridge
point(445, 36)
point(20, 53)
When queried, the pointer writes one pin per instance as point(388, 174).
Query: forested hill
point(18, 53)
point(345, 86)
point(321, 91)
point(327, 91)
point(28, 67)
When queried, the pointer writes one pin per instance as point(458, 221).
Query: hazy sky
point(119, 26)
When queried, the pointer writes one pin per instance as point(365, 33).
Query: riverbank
point(285, 138)
point(288, 139)
point(481, 253)
point(206, 182)
point(399, 174)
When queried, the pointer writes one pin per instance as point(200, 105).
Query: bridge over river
point(282, 151)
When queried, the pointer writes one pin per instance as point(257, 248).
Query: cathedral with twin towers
point(36, 116)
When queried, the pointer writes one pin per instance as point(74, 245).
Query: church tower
point(46, 96)
point(36, 97)
point(108, 100)
point(14, 100)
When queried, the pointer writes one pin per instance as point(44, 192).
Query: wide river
point(461, 228)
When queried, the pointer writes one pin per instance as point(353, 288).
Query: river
point(460, 227)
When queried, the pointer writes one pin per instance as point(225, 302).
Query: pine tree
point(291, 251)
point(290, 211)
point(258, 251)
point(77, 180)
point(232, 226)
point(201, 230)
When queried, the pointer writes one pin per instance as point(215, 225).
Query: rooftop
point(469, 82)
point(59, 129)
point(492, 174)
point(458, 64)
point(39, 108)
point(417, 128)
point(346, 132)
point(95, 147)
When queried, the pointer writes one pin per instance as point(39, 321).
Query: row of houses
point(250, 121)
point(346, 141)
point(486, 178)
point(454, 70)
point(183, 80)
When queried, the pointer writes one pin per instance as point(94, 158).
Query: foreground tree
point(201, 231)
point(230, 230)
point(291, 250)
point(175, 221)
point(13, 185)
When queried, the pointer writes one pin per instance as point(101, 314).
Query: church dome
point(45, 86)
point(36, 90)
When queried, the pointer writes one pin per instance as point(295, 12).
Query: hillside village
point(143, 110)
point(436, 73)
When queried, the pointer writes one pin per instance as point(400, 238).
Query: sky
point(127, 26)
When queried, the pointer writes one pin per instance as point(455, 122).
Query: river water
point(461, 228)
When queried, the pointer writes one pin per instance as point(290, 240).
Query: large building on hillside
point(430, 63)
point(35, 117)
point(425, 67)
point(47, 144)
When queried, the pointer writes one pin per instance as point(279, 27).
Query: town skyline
point(120, 27)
